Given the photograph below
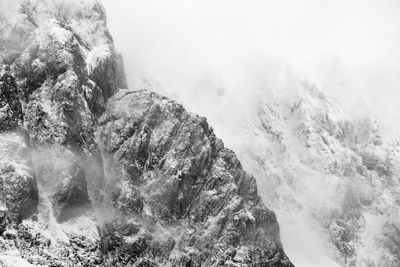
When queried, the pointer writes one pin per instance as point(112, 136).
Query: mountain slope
point(332, 177)
point(99, 176)
point(170, 166)
point(329, 175)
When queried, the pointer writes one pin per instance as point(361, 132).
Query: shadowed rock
point(72, 199)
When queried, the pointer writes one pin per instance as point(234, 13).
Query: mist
point(201, 49)
point(219, 58)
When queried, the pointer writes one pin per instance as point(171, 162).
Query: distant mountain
point(333, 180)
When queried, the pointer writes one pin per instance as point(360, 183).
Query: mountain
point(332, 178)
point(95, 175)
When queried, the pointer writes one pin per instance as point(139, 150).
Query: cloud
point(217, 57)
point(350, 49)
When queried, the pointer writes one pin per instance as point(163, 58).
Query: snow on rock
point(169, 161)
point(96, 56)
point(109, 177)
point(329, 176)
point(14, 261)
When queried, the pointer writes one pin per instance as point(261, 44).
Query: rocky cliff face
point(191, 193)
point(98, 176)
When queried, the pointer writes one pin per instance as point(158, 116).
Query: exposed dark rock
point(172, 161)
point(72, 199)
point(20, 193)
point(123, 178)
point(65, 78)
point(11, 115)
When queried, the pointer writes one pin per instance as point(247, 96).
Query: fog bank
point(349, 49)
point(218, 57)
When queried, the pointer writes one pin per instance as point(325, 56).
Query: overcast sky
point(350, 49)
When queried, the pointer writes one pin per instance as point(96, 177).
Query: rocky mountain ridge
point(105, 177)
point(331, 176)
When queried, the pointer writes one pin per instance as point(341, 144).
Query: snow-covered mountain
point(332, 177)
point(96, 175)
point(325, 174)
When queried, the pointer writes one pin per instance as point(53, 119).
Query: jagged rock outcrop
point(10, 106)
point(103, 180)
point(176, 177)
point(66, 71)
point(63, 61)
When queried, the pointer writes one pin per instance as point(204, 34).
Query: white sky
point(351, 49)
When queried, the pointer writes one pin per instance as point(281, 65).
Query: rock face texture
point(11, 110)
point(94, 175)
point(19, 193)
point(175, 174)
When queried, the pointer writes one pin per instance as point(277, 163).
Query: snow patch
point(51, 31)
point(96, 56)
